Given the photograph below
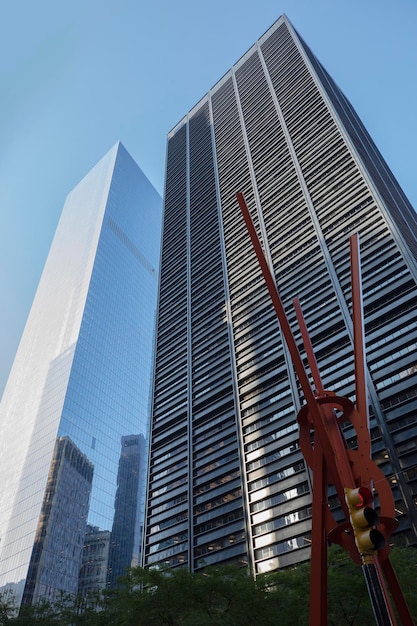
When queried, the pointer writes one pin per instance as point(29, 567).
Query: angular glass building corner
point(79, 389)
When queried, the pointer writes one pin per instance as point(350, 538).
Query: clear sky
point(77, 76)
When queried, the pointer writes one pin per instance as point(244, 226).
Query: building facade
point(127, 526)
point(227, 480)
point(81, 377)
point(94, 572)
point(57, 551)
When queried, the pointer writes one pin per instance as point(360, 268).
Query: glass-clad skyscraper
point(79, 386)
point(227, 480)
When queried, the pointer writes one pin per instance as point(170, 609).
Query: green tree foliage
point(404, 561)
point(223, 596)
point(348, 598)
point(6, 608)
point(348, 601)
point(218, 597)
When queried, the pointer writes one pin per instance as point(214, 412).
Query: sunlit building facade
point(80, 382)
point(227, 480)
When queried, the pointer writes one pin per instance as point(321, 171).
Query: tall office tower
point(227, 480)
point(82, 372)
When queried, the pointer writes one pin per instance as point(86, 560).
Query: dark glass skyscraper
point(80, 385)
point(227, 480)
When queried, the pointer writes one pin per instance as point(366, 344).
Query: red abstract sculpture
point(352, 472)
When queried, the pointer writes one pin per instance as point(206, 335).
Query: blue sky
point(77, 76)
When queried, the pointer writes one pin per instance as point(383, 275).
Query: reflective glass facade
point(79, 391)
point(227, 480)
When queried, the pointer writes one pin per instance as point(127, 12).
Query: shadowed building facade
point(93, 574)
point(80, 381)
point(227, 480)
point(57, 552)
point(128, 507)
